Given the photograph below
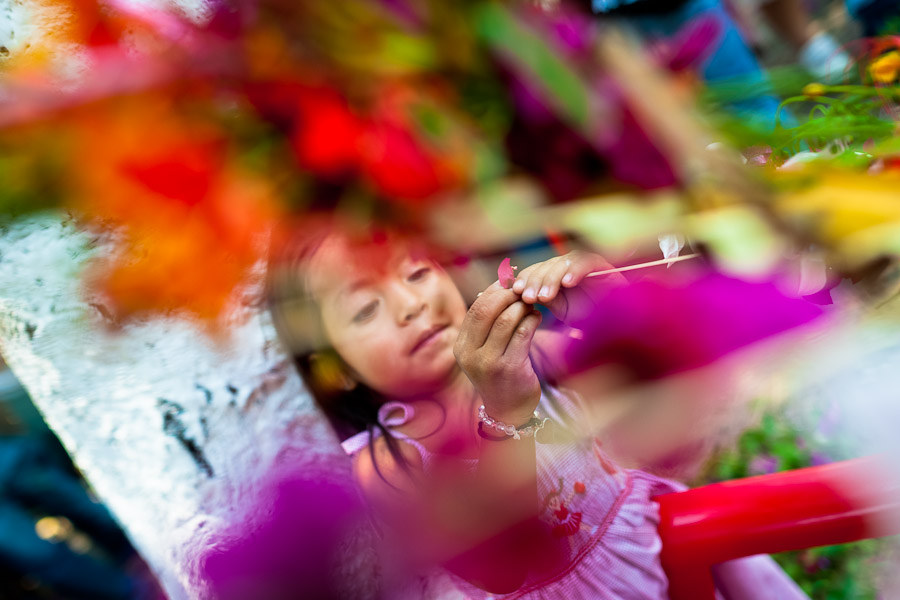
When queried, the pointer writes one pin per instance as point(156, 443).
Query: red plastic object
point(832, 504)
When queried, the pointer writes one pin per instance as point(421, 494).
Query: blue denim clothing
point(730, 58)
point(603, 6)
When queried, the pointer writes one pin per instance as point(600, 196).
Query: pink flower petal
point(505, 274)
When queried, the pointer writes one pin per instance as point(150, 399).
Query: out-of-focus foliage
point(844, 119)
point(197, 132)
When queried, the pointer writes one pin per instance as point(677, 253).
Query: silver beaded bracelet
point(529, 429)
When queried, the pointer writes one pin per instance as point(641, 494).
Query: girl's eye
point(418, 274)
point(365, 312)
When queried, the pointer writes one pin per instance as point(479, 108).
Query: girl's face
point(391, 316)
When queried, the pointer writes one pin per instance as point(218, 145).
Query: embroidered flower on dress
point(564, 521)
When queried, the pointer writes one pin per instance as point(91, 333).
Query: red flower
point(327, 137)
point(383, 146)
point(324, 131)
point(395, 162)
point(579, 487)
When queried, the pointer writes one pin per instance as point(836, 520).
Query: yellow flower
point(814, 90)
point(885, 68)
point(855, 214)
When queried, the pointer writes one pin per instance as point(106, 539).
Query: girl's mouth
point(427, 337)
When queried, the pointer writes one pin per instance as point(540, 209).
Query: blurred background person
point(729, 56)
point(55, 540)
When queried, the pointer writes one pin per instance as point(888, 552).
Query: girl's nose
point(409, 304)
point(413, 310)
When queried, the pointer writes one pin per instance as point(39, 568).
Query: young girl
point(438, 404)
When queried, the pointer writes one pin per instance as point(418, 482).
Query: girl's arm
point(481, 525)
point(449, 519)
point(493, 350)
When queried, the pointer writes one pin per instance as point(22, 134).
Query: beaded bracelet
point(494, 438)
point(529, 429)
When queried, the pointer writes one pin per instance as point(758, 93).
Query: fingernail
point(545, 291)
point(518, 285)
point(529, 294)
point(568, 278)
point(478, 294)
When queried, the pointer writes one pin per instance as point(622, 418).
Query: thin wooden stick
point(664, 261)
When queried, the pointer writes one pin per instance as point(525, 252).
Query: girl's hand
point(561, 285)
point(492, 350)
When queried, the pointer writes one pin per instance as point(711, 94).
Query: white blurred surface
point(107, 395)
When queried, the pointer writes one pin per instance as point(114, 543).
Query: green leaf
point(535, 60)
point(410, 51)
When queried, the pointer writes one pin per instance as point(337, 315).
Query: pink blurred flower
point(658, 327)
point(287, 542)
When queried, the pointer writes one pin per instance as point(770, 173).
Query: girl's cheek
point(385, 378)
point(376, 356)
point(445, 297)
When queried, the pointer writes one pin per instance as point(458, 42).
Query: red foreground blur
point(831, 504)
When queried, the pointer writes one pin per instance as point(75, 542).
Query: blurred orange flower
point(193, 217)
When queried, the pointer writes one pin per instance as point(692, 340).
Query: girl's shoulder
point(387, 477)
point(383, 463)
point(400, 420)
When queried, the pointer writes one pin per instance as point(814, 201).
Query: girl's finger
point(522, 279)
point(520, 342)
point(534, 285)
point(504, 327)
point(579, 265)
point(552, 278)
point(482, 314)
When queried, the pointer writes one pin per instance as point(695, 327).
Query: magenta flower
point(287, 542)
point(659, 327)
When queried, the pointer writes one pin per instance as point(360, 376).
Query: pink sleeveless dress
point(604, 522)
